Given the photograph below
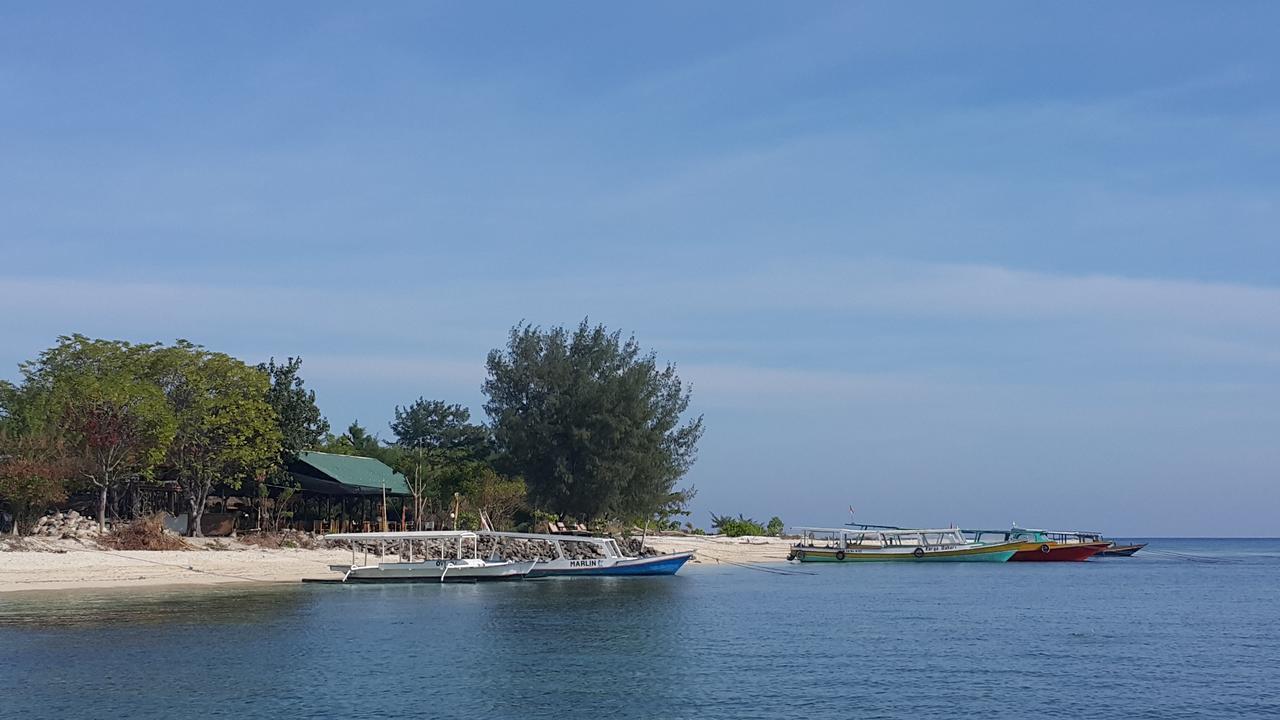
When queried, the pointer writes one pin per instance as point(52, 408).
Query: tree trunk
point(102, 508)
point(196, 501)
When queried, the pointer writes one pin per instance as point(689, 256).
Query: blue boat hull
point(661, 565)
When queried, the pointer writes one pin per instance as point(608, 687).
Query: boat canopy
point(887, 532)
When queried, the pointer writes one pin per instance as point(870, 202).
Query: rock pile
point(66, 525)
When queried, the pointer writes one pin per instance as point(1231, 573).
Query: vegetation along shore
point(110, 450)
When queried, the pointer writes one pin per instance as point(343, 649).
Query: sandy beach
point(70, 565)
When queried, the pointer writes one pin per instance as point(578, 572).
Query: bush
point(145, 533)
point(736, 527)
point(775, 526)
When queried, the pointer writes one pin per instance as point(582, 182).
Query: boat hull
point(435, 571)
point(658, 565)
point(1121, 550)
point(1058, 552)
point(995, 553)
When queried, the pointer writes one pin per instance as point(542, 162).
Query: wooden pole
point(384, 506)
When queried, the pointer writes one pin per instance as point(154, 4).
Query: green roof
point(355, 470)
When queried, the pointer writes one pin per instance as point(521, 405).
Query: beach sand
point(69, 564)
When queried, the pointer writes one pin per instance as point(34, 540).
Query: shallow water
point(1154, 636)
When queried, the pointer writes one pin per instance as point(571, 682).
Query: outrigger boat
point(457, 565)
point(895, 544)
point(581, 555)
point(1044, 545)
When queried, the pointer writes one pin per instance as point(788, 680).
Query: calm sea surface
point(1155, 636)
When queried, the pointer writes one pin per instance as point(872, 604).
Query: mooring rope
point(757, 567)
point(1189, 557)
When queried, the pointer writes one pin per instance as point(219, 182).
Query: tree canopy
point(99, 394)
point(592, 423)
point(226, 431)
point(301, 423)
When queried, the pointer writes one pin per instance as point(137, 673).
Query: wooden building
point(345, 493)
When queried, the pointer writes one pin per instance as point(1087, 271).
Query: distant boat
point(1045, 545)
point(589, 556)
point(870, 544)
point(1114, 550)
point(454, 561)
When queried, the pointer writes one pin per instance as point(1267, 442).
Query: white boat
point(584, 555)
point(454, 557)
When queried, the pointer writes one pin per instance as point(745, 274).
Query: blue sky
point(969, 264)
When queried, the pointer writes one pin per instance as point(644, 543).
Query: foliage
point(98, 393)
point(774, 527)
point(499, 497)
point(226, 431)
point(676, 506)
point(592, 423)
point(32, 473)
point(435, 424)
point(439, 452)
point(274, 511)
point(144, 533)
point(355, 441)
point(736, 527)
point(301, 424)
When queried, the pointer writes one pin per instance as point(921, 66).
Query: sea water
point(1191, 635)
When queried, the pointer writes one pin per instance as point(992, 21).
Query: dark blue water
point(1155, 636)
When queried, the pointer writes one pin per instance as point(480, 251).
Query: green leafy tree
point(731, 526)
point(97, 393)
point(590, 421)
point(774, 527)
point(436, 424)
point(226, 432)
point(498, 497)
point(302, 426)
point(355, 441)
point(439, 451)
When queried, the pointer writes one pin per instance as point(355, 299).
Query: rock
point(73, 515)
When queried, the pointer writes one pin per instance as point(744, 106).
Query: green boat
point(896, 545)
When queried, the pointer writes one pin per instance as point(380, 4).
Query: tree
point(775, 526)
point(730, 526)
point(97, 392)
point(226, 431)
point(439, 449)
point(355, 441)
point(33, 469)
point(301, 424)
point(435, 424)
point(498, 497)
point(591, 422)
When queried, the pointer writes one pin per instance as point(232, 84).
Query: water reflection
point(173, 605)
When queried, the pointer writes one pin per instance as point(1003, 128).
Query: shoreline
point(69, 565)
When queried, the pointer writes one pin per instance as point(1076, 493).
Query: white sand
point(82, 566)
point(711, 549)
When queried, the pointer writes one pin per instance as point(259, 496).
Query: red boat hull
point(1056, 552)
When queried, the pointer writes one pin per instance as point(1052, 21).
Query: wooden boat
point(870, 544)
point(451, 560)
point(590, 556)
point(1044, 545)
point(1114, 550)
